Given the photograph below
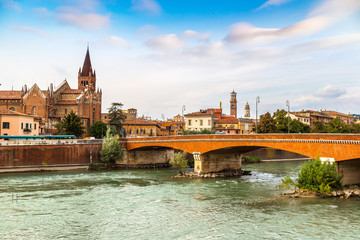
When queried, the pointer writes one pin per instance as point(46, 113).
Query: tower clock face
point(233, 106)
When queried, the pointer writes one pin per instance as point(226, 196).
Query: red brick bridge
point(218, 152)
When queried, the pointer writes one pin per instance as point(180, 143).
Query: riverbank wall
point(15, 154)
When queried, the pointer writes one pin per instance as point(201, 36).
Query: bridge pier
point(216, 162)
point(350, 169)
point(142, 157)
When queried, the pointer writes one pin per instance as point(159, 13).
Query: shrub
point(179, 162)
point(314, 176)
point(111, 149)
point(248, 159)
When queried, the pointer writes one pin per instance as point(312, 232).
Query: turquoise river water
point(149, 204)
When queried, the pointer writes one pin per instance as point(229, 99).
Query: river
point(149, 204)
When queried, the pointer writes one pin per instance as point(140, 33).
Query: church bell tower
point(233, 104)
point(86, 76)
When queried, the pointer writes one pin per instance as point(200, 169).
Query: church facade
point(51, 105)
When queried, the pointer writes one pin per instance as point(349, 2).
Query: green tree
point(267, 124)
point(71, 125)
point(98, 129)
point(336, 125)
point(179, 162)
point(111, 149)
point(355, 128)
point(298, 127)
point(116, 116)
point(280, 116)
point(319, 127)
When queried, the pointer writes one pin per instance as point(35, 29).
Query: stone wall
point(212, 162)
point(145, 157)
point(350, 170)
point(37, 155)
point(271, 153)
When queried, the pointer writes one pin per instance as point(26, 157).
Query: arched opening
point(12, 109)
point(34, 110)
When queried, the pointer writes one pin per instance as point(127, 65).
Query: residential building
point(18, 124)
point(346, 118)
point(246, 126)
point(229, 126)
point(304, 118)
point(198, 121)
point(51, 105)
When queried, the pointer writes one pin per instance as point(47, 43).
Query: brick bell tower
point(233, 104)
point(86, 76)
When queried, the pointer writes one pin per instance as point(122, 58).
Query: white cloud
point(75, 17)
point(194, 34)
point(147, 6)
point(320, 18)
point(116, 41)
point(31, 30)
point(42, 12)
point(272, 2)
point(10, 4)
point(165, 42)
point(330, 91)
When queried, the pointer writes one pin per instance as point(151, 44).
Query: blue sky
point(159, 55)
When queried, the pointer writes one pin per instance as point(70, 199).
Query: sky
point(158, 55)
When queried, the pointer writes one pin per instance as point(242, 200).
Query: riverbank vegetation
point(315, 176)
point(180, 162)
point(248, 159)
point(70, 125)
point(111, 149)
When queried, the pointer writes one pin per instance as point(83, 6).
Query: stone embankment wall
point(147, 157)
point(350, 170)
point(49, 152)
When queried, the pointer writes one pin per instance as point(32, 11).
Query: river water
point(149, 204)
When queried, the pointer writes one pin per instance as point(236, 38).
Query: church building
point(51, 105)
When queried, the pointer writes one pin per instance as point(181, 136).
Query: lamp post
point(257, 101)
point(288, 115)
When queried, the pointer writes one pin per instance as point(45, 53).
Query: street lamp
point(288, 115)
point(257, 101)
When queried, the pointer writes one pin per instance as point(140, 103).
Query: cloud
point(320, 18)
point(76, 17)
point(31, 30)
point(193, 34)
point(147, 6)
point(165, 42)
point(42, 12)
point(330, 91)
point(272, 2)
point(116, 41)
point(10, 4)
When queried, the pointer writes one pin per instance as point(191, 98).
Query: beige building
point(302, 117)
point(18, 124)
point(229, 126)
point(346, 118)
point(199, 121)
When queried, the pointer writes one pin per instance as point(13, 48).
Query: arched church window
point(34, 110)
point(12, 109)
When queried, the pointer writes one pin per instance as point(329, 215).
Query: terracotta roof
point(199, 114)
point(9, 112)
point(139, 121)
point(10, 94)
point(67, 102)
point(227, 121)
point(337, 113)
point(72, 91)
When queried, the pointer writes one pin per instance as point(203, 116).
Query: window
point(220, 125)
point(232, 126)
point(209, 122)
point(35, 126)
point(30, 125)
point(34, 110)
point(93, 117)
point(201, 122)
point(22, 125)
point(189, 122)
point(6, 125)
point(26, 125)
point(12, 109)
point(65, 111)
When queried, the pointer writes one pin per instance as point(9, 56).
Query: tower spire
point(87, 68)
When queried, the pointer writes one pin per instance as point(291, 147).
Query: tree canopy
point(98, 129)
point(267, 124)
point(111, 149)
point(116, 116)
point(71, 125)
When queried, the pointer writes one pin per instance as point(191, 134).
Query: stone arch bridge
point(214, 153)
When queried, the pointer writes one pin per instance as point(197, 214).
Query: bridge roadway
point(340, 147)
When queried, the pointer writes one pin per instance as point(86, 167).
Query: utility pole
point(257, 101)
point(288, 115)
